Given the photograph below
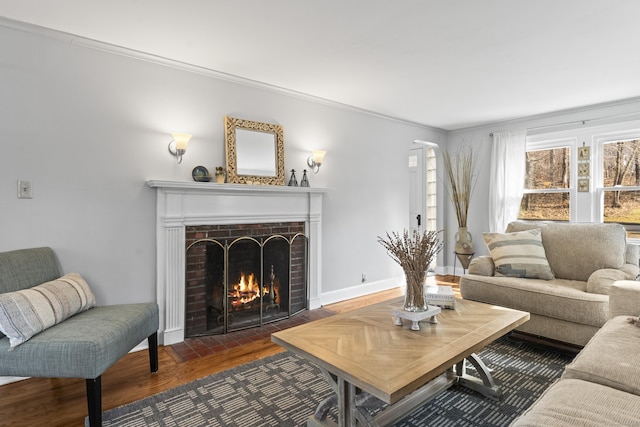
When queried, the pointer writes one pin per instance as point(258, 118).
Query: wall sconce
point(315, 160)
point(178, 145)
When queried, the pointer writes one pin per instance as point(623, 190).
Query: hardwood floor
point(62, 402)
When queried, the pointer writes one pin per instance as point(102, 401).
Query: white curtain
point(506, 182)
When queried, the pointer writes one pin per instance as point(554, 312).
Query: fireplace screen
point(244, 283)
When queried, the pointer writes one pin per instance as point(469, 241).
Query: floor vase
point(464, 247)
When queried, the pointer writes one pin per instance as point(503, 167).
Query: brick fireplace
point(240, 276)
point(184, 208)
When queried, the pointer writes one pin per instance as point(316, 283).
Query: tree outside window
point(621, 182)
point(547, 183)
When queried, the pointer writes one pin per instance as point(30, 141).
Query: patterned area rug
point(284, 390)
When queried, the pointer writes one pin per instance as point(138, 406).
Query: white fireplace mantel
point(180, 204)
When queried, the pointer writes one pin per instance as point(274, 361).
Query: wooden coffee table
point(363, 353)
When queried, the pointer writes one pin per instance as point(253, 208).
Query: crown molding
point(167, 62)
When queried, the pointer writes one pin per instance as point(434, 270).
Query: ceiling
point(448, 64)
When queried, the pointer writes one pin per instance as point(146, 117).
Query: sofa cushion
point(581, 404)
point(611, 357)
point(28, 312)
point(519, 254)
point(576, 250)
point(84, 345)
point(557, 298)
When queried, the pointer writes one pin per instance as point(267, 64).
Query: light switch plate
point(24, 189)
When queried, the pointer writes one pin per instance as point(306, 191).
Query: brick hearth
point(194, 348)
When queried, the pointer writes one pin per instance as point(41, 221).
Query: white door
point(423, 197)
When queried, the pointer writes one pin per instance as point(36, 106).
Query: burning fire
point(245, 291)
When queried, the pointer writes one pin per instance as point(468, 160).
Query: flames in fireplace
point(246, 292)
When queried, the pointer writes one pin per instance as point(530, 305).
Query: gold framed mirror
point(254, 152)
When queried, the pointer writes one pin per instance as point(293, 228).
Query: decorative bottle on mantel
point(220, 175)
point(293, 182)
point(464, 247)
point(305, 181)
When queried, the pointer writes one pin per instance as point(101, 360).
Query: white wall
point(88, 127)
point(577, 122)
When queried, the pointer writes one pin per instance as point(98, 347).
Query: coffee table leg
point(324, 407)
point(483, 385)
point(319, 418)
point(346, 403)
point(346, 399)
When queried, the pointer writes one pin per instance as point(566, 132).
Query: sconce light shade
point(178, 145)
point(315, 160)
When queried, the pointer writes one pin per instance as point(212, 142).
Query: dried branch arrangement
point(459, 169)
point(414, 253)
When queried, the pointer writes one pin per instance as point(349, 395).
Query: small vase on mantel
point(220, 175)
point(464, 247)
point(293, 182)
point(305, 180)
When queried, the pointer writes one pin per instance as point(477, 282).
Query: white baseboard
point(9, 380)
point(142, 346)
point(171, 336)
point(360, 290)
point(315, 303)
point(442, 270)
point(371, 287)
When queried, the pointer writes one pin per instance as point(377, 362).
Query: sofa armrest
point(632, 270)
point(601, 280)
point(624, 298)
point(482, 266)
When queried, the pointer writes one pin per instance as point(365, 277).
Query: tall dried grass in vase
point(459, 169)
point(413, 252)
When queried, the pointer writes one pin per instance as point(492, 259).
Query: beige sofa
point(586, 260)
point(601, 387)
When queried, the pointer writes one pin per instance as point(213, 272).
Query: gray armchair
point(82, 346)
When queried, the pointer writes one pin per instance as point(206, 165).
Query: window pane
point(545, 206)
point(621, 163)
point(432, 193)
point(623, 207)
point(547, 169)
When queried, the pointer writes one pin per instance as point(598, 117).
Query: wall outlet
point(364, 277)
point(24, 189)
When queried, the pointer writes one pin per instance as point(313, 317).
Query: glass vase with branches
point(414, 252)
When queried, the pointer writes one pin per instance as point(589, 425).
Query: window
point(547, 194)
point(621, 184)
point(584, 174)
point(432, 199)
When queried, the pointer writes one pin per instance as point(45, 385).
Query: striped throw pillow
point(28, 312)
point(519, 254)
